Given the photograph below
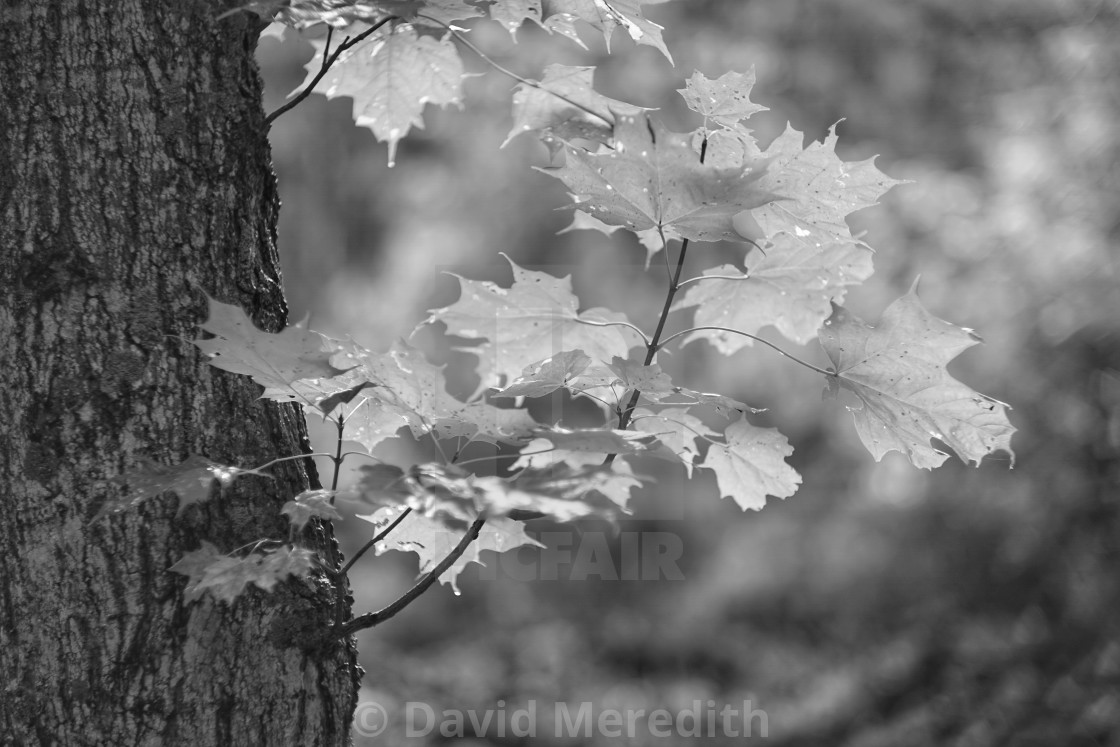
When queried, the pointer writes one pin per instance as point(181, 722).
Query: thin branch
point(376, 618)
point(509, 73)
point(290, 458)
point(327, 62)
point(377, 538)
point(794, 358)
point(654, 344)
point(337, 458)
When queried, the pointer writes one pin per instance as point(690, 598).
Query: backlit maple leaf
point(898, 371)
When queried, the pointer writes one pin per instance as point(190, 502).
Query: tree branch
point(327, 62)
point(376, 618)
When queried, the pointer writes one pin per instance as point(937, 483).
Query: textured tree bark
point(134, 174)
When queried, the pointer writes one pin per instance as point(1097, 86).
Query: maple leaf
point(676, 430)
point(432, 541)
point(809, 257)
point(790, 287)
point(512, 13)
point(560, 491)
point(401, 388)
point(650, 238)
point(391, 76)
point(818, 189)
point(605, 16)
point(302, 14)
point(649, 380)
point(560, 102)
point(545, 377)
point(751, 465)
point(191, 480)
point(309, 504)
point(579, 447)
point(725, 100)
point(274, 361)
point(441, 13)
point(536, 318)
point(898, 371)
point(653, 179)
point(438, 491)
point(225, 577)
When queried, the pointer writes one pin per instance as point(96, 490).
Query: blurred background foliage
point(881, 605)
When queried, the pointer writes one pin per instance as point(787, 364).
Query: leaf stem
point(376, 618)
point(794, 358)
point(509, 73)
point(612, 324)
point(698, 278)
point(346, 44)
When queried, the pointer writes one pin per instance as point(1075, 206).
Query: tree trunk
point(134, 174)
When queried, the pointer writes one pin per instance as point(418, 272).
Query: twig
point(290, 458)
point(654, 344)
point(377, 538)
point(327, 62)
point(376, 618)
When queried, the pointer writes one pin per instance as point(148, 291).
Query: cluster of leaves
point(392, 70)
point(786, 204)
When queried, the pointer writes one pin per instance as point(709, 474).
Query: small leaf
point(545, 377)
point(225, 577)
point(675, 429)
point(391, 76)
point(605, 16)
point(190, 480)
point(649, 380)
point(725, 100)
point(751, 465)
point(653, 179)
point(327, 404)
point(791, 287)
point(818, 189)
point(274, 361)
point(536, 318)
point(383, 481)
point(432, 541)
point(512, 13)
point(725, 406)
point(561, 492)
point(438, 13)
point(308, 504)
point(439, 491)
point(400, 387)
point(579, 447)
point(898, 372)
